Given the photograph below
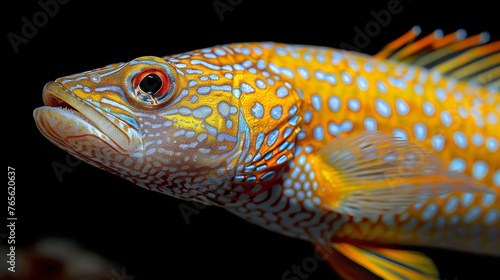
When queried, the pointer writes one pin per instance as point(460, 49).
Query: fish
point(367, 157)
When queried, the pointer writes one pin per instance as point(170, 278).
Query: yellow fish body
point(360, 155)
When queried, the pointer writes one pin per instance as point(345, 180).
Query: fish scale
point(339, 148)
point(368, 94)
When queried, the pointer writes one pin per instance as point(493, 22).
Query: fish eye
point(151, 86)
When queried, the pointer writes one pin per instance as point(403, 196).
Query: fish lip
point(55, 95)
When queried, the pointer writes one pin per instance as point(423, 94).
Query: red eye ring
point(151, 84)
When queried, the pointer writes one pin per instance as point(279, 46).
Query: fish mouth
point(66, 118)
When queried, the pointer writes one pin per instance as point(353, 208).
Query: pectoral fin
point(360, 262)
point(375, 173)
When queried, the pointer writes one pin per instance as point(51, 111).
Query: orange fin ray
point(454, 55)
point(363, 262)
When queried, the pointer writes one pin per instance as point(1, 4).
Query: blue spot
point(397, 83)
point(429, 211)
point(467, 199)
point(491, 118)
point(228, 76)
point(336, 57)
point(258, 110)
point(353, 65)
point(420, 131)
point(440, 94)
point(334, 103)
point(318, 133)
point(260, 84)
point(307, 116)
point(282, 159)
point(446, 118)
point(370, 123)
point(382, 108)
point(282, 92)
point(441, 222)
point(472, 214)
point(418, 89)
point(268, 176)
point(319, 75)
point(438, 142)
point(220, 52)
point(382, 67)
point(260, 140)
point(429, 109)
point(316, 102)
point(353, 104)
point(402, 108)
point(261, 64)
point(330, 78)
point(491, 217)
point(308, 149)
point(292, 110)
point(346, 126)
point(451, 205)
point(346, 78)
point(293, 120)
point(236, 93)
point(382, 88)
point(303, 72)
point(333, 129)
point(491, 144)
point(477, 139)
point(261, 167)
point(368, 67)
point(246, 88)
point(460, 140)
point(320, 57)
point(307, 56)
point(276, 112)
point(302, 160)
point(272, 137)
point(399, 133)
point(496, 179)
point(362, 83)
point(457, 164)
point(204, 90)
point(488, 199)
point(479, 169)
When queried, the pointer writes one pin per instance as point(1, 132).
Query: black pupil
point(150, 84)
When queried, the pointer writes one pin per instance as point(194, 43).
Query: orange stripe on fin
point(382, 262)
point(407, 38)
point(477, 66)
point(419, 45)
point(467, 57)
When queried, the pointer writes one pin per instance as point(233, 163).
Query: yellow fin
point(373, 173)
point(382, 263)
point(454, 55)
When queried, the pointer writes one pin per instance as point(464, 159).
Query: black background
point(142, 230)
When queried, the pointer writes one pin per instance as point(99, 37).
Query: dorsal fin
point(455, 55)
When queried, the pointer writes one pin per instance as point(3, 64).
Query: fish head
point(181, 125)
